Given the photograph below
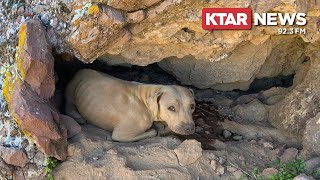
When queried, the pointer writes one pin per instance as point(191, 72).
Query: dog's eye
point(192, 106)
point(171, 108)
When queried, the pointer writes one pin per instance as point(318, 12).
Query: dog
point(128, 109)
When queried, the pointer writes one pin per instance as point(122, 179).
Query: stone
point(220, 170)
point(35, 62)
point(231, 169)
point(73, 128)
point(303, 177)
point(219, 74)
point(136, 16)
point(18, 175)
point(188, 152)
point(289, 155)
point(269, 172)
point(226, 133)
point(274, 99)
point(238, 174)
point(5, 169)
point(13, 157)
point(301, 105)
point(39, 119)
point(35, 115)
point(237, 137)
point(213, 164)
point(128, 5)
point(254, 111)
point(312, 164)
point(284, 59)
point(311, 136)
point(267, 145)
point(219, 145)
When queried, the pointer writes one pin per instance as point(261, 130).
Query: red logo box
point(226, 18)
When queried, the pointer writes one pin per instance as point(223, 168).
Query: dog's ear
point(153, 103)
point(192, 92)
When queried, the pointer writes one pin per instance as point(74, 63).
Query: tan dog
point(128, 109)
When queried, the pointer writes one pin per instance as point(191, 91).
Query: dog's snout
point(190, 128)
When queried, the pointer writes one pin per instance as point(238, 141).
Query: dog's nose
point(190, 128)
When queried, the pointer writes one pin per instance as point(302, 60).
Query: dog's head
point(174, 105)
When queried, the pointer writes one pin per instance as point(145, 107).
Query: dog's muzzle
point(187, 128)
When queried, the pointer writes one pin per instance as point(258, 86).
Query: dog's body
point(128, 108)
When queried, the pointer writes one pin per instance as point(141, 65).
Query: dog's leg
point(162, 128)
point(71, 110)
point(122, 135)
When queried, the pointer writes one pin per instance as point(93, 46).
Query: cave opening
point(213, 106)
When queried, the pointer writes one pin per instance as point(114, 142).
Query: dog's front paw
point(162, 128)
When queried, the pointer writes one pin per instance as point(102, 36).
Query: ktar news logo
point(241, 19)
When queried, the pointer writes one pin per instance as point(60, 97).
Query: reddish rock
point(57, 149)
point(39, 118)
point(33, 113)
point(73, 128)
point(36, 59)
point(13, 157)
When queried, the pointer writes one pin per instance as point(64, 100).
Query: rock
point(220, 170)
point(39, 159)
point(188, 152)
point(13, 157)
point(136, 16)
point(301, 106)
point(35, 62)
point(5, 169)
point(312, 164)
point(289, 155)
point(284, 59)
point(213, 164)
point(104, 23)
point(218, 74)
point(39, 119)
point(267, 145)
point(73, 128)
point(226, 133)
point(254, 111)
point(311, 136)
point(274, 99)
point(303, 177)
point(238, 174)
point(219, 145)
point(269, 172)
point(128, 5)
point(231, 169)
point(18, 175)
point(237, 138)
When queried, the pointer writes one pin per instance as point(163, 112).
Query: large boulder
point(234, 71)
point(301, 107)
point(27, 92)
point(35, 61)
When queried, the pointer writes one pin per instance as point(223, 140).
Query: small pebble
point(226, 133)
point(268, 145)
point(237, 138)
point(207, 132)
point(95, 158)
